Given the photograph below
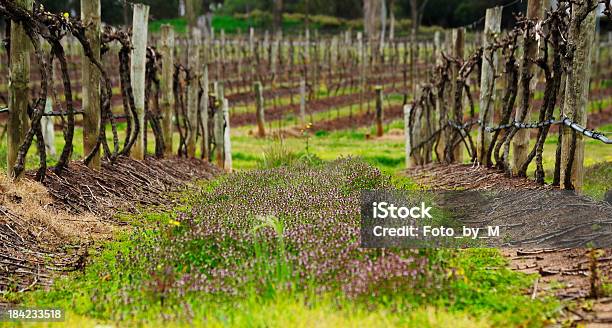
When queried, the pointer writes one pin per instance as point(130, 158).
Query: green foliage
point(179, 24)
point(322, 14)
point(291, 21)
point(597, 180)
point(271, 260)
point(133, 279)
point(489, 284)
point(278, 155)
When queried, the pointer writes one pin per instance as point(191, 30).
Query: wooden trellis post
point(227, 145)
point(265, 50)
point(19, 91)
point(444, 110)
point(139, 58)
point(303, 103)
point(379, 111)
point(581, 35)
point(408, 139)
point(361, 61)
point(437, 55)
point(333, 54)
point(251, 40)
point(219, 123)
point(418, 129)
point(90, 14)
point(315, 63)
point(273, 57)
point(520, 142)
point(457, 50)
point(487, 81)
point(222, 57)
point(204, 104)
point(167, 94)
point(307, 46)
point(259, 102)
point(193, 89)
point(46, 122)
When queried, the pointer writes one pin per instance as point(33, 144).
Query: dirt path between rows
point(529, 209)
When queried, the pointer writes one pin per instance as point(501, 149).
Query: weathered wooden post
point(91, 16)
point(139, 57)
point(251, 40)
point(219, 123)
point(437, 55)
point(581, 35)
point(19, 90)
point(259, 102)
point(419, 130)
point(379, 111)
point(333, 53)
point(46, 124)
point(227, 145)
point(167, 94)
point(204, 104)
point(457, 50)
point(274, 49)
point(383, 26)
point(303, 102)
point(265, 50)
point(315, 62)
point(487, 81)
point(307, 46)
point(520, 142)
point(222, 56)
point(361, 61)
point(407, 138)
point(193, 89)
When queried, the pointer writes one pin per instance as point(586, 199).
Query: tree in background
point(446, 13)
point(192, 11)
point(459, 12)
point(371, 18)
point(417, 8)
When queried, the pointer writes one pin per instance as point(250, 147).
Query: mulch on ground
point(566, 273)
point(123, 185)
point(47, 229)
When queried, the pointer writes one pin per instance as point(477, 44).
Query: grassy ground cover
point(231, 255)
point(279, 247)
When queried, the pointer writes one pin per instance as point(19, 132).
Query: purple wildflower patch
point(309, 238)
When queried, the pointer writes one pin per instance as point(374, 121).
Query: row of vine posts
point(31, 27)
point(556, 43)
point(156, 90)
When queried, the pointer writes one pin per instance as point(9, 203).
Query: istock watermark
point(520, 219)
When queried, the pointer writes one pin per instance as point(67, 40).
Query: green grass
point(232, 24)
point(597, 180)
point(179, 24)
point(386, 154)
point(484, 297)
point(119, 285)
